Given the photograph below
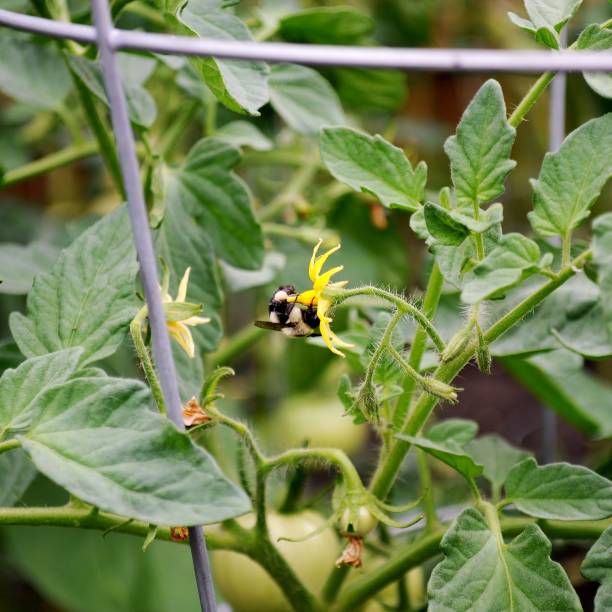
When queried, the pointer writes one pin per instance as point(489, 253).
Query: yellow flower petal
point(320, 261)
point(183, 336)
point(311, 266)
point(307, 298)
point(323, 280)
point(182, 290)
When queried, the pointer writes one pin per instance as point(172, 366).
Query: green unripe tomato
point(358, 523)
point(319, 420)
point(247, 587)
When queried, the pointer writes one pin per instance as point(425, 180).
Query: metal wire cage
point(109, 40)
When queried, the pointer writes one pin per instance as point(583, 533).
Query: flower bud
point(440, 389)
point(456, 344)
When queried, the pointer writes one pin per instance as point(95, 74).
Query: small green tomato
point(358, 522)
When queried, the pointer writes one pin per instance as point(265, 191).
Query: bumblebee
point(293, 319)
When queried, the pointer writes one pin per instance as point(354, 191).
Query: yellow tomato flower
point(180, 318)
point(316, 296)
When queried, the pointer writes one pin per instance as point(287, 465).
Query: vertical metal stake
point(148, 266)
point(556, 134)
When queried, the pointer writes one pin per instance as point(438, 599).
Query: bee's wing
point(272, 326)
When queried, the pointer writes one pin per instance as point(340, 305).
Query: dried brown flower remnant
point(193, 414)
point(179, 534)
point(351, 555)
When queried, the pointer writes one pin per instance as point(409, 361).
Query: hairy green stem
point(49, 162)
point(334, 582)
point(388, 470)
point(145, 358)
point(532, 96)
point(426, 547)
point(332, 456)
point(405, 307)
point(419, 344)
point(9, 445)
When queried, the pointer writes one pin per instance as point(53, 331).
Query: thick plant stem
point(268, 556)
point(145, 358)
point(415, 553)
point(388, 470)
point(419, 344)
point(49, 162)
point(91, 518)
point(400, 303)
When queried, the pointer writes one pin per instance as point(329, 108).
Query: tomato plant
point(403, 267)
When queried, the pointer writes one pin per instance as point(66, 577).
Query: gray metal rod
point(451, 60)
point(148, 267)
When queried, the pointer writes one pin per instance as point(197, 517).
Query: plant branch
point(428, 504)
point(405, 307)
point(49, 162)
point(91, 518)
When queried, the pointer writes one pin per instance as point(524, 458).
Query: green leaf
point(571, 179)
point(448, 453)
point(182, 243)
point(237, 279)
point(481, 573)
point(479, 153)
point(452, 227)
point(239, 85)
point(98, 438)
point(596, 38)
point(602, 258)
point(497, 456)
point(373, 165)
point(141, 106)
point(303, 98)
point(32, 73)
point(16, 475)
point(597, 566)
point(552, 14)
point(87, 299)
point(442, 226)
point(453, 431)
point(19, 264)
point(21, 387)
point(505, 266)
point(332, 25)
point(559, 491)
point(243, 134)
point(119, 577)
point(560, 381)
point(367, 89)
point(220, 201)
